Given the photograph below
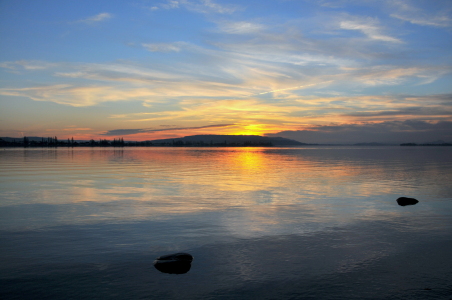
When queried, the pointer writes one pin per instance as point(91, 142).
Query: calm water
point(262, 223)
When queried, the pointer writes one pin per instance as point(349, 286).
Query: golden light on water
point(244, 175)
point(162, 182)
point(249, 160)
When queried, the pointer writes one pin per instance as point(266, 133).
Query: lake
point(312, 222)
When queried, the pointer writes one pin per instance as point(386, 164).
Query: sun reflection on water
point(290, 220)
point(266, 184)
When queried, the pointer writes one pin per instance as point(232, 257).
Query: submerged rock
point(177, 263)
point(402, 201)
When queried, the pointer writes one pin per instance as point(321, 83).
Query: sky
point(316, 71)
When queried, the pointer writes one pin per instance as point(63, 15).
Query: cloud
point(367, 26)
point(75, 129)
point(208, 6)
point(28, 65)
point(170, 4)
point(76, 96)
point(410, 111)
point(276, 63)
point(163, 47)
point(445, 99)
point(409, 13)
point(240, 27)
point(116, 132)
point(290, 43)
point(396, 132)
point(438, 21)
point(277, 71)
point(273, 60)
point(119, 72)
point(97, 18)
point(223, 75)
point(392, 75)
point(199, 6)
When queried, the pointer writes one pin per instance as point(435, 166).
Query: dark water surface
point(262, 223)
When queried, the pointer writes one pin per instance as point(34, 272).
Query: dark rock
point(177, 257)
point(172, 267)
point(178, 263)
point(402, 201)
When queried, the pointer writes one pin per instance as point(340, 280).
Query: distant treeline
point(414, 144)
point(55, 142)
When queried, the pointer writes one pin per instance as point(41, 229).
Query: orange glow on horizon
point(250, 129)
point(253, 129)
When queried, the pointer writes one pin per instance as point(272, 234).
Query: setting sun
point(333, 74)
point(251, 130)
point(270, 140)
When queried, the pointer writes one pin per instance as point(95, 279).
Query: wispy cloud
point(118, 72)
point(76, 96)
point(439, 111)
point(224, 75)
point(275, 75)
point(391, 75)
point(119, 132)
point(302, 62)
point(408, 12)
point(240, 27)
point(28, 65)
point(95, 19)
point(368, 26)
point(274, 59)
point(200, 6)
point(163, 47)
point(170, 4)
point(209, 6)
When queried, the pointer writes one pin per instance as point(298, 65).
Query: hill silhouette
point(188, 141)
point(228, 140)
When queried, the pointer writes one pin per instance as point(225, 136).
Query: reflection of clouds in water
point(275, 190)
point(269, 223)
point(263, 197)
point(335, 251)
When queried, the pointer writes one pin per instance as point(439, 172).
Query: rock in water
point(177, 263)
point(172, 267)
point(402, 201)
point(177, 257)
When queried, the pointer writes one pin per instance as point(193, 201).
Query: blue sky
point(314, 70)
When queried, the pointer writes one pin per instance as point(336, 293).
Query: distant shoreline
point(143, 144)
point(205, 141)
point(414, 144)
